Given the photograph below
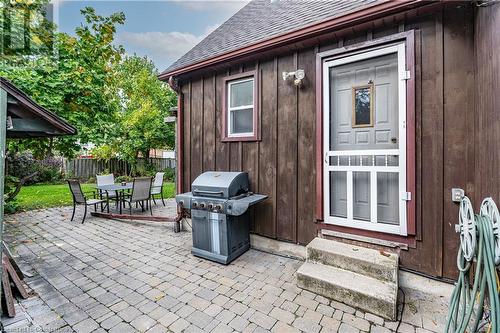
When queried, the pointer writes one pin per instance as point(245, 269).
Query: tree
point(76, 82)
point(24, 28)
point(145, 102)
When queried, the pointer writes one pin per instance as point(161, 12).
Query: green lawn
point(44, 196)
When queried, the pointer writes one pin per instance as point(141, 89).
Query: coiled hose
point(479, 242)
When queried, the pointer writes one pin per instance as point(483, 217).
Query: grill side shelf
point(240, 206)
point(184, 199)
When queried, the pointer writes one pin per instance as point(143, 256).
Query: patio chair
point(158, 187)
point(141, 193)
point(79, 198)
point(107, 180)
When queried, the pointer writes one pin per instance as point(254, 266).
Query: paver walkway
point(113, 276)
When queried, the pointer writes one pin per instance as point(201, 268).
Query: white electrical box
point(457, 194)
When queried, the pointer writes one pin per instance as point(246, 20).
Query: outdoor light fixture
point(299, 74)
point(10, 125)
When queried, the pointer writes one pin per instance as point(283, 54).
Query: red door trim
point(410, 135)
point(409, 38)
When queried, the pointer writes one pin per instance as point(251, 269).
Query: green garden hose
point(467, 306)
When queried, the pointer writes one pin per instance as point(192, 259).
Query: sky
point(163, 30)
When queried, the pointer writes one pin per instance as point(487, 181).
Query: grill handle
point(243, 195)
point(209, 193)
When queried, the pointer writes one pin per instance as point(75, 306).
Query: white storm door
point(364, 105)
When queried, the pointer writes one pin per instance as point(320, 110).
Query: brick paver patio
point(114, 276)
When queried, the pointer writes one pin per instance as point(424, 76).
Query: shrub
point(48, 170)
point(11, 207)
point(21, 165)
point(169, 174)
point(127, 179)
point(10, 204)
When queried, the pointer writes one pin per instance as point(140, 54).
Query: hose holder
point(490, 209)
point(466, 227)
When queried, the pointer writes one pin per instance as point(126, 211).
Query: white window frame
point(242, 107)
point(349, 221)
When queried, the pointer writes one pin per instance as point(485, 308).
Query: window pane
point(241, 121)
point(241, 93)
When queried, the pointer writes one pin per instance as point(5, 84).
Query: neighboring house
point(168, 154)
point(355, 117)
point(162, 153)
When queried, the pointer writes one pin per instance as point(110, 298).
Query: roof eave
point(358, 16)
point(25, 100)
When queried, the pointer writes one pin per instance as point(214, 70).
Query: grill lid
point(220, 184)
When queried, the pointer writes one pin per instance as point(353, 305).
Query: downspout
point(172, 82)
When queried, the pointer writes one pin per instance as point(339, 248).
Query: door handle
point(394, 139)
point(326, 156)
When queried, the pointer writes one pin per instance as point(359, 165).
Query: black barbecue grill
point(219, 203)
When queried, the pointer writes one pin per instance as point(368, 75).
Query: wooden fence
point(84, 168)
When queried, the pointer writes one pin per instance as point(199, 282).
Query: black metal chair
point(79, 198)
point(157, 188)
point(141, 193)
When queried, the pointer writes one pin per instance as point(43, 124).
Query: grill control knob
point(210, 206)
point(202, 205)
point(195, 204)
point(218, 207)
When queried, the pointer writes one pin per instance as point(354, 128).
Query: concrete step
point(369, 262)
point(359, 291)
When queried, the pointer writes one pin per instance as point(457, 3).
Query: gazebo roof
point(27, 119)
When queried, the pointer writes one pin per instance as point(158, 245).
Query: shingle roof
point(263, 19)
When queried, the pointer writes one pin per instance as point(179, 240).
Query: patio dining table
point(119, 188)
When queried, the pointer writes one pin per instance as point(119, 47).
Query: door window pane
point(241, 121)
point(387, 197)
point(361, 200)
point(362, 108)
point(241, 93)
point(338, 194)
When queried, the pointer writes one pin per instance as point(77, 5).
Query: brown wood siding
point(196, 138)
point(186, 131)
point(306, 173)
point(455, 140)
point(221, 148)
point(286, 214)
point(266, 214)
point(426, 257)
point(487, 115)
point(208, 124)
point(250, 153)
point(458, 113)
